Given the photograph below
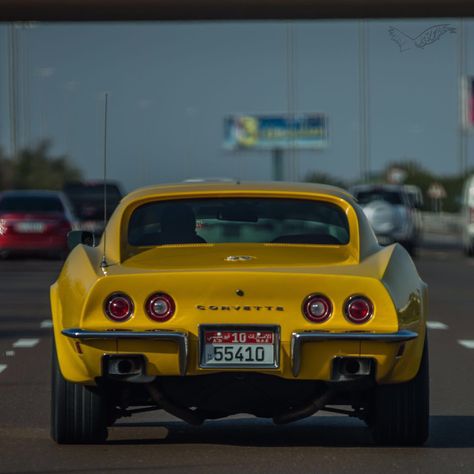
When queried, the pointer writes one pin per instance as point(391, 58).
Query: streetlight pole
point(364, 137)
point(13, 88)
point(465, 93)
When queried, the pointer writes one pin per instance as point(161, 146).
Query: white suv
point(467, 216)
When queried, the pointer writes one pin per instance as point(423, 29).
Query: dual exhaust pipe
point(343, 367)
point(348, 373)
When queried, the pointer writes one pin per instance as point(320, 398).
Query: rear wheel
point(469, 249)
point(400, 413)
point(78, 413)
point(410, 247)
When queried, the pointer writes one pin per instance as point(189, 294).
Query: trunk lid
point(245, 257)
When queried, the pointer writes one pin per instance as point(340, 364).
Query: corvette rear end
point(280, 303)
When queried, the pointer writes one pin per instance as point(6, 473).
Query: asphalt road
point(158, 443)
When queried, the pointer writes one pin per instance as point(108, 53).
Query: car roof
point(238, 187)
point(34, 193)
point(90, 183)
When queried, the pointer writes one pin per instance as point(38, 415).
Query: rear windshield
point(31, 204)
point(242, 220)
point(392, 197)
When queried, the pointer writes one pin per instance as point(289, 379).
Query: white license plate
point(236, 348)
point(30, 227)
point(384, 240)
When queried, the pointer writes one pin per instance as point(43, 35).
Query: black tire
point(469, 250)
point(400, 413)
point(78, 413)
point(410, 247)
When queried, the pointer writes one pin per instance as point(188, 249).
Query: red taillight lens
point(317, 308)
point(359, 309)
point(118, 307)
point(160, 307)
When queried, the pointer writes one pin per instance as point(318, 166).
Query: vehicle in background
point(390, 213)
point(467, 216)
point(415, 196)
point(87, 198)
point(35, 222)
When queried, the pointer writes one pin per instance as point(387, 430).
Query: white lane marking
point(2, 367)
point(26, 343)
point(47, 323)
point(9, 353)
point(436, 325)
point(467, 343)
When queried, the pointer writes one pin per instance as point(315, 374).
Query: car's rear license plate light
point(239, 347)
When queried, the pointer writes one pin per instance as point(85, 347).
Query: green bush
point(36, 168)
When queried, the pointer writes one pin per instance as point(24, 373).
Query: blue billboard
point(270, 132)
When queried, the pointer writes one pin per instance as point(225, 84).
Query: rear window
point(238, 220)
point(31, 204)
point(392, 197)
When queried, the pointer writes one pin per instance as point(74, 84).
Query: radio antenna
point(103, 263)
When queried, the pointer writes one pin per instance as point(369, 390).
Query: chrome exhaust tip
point(125, 366)
point(350, 368)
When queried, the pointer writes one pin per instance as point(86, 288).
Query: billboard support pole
point(465, 94)
point(277, 164)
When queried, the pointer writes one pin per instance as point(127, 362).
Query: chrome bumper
point(180, 338)
point(299, 338)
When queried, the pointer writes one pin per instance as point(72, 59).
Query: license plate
point(384, 240)
point(30, 227)
point(239, 347)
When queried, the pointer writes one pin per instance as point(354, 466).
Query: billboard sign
point(270, 132)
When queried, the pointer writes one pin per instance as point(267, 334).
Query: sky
point(170, 86)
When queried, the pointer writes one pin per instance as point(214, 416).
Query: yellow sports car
point(211, 299)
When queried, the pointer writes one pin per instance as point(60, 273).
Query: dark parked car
point(87, 198)
point(35, 222)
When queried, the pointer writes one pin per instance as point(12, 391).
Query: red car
point(35, 222)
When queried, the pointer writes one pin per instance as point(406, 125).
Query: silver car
point(390, 212)
point(467, 216)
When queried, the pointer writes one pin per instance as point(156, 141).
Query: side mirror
point(76, 237)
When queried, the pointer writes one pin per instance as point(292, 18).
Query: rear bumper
point(180, 338)
point(29, 243)
point(299, 338)
point(374, 347)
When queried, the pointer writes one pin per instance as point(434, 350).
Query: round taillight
point(317, 308)
point(118, 307)
point(359, 309)
point(160, 307)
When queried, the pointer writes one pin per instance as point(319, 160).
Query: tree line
point(36, 168)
